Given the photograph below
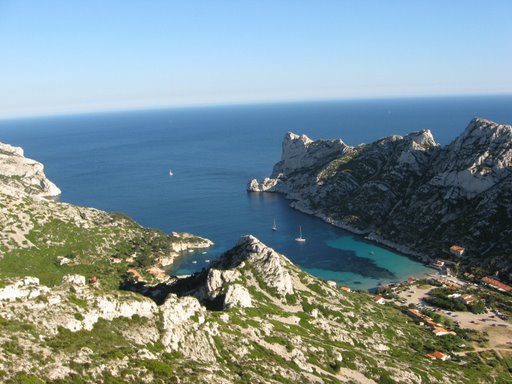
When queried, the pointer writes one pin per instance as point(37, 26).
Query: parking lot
point(499, 330)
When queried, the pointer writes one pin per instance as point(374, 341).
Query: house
point(415, 313)
point(454, 286)
point(93, 281)
point(496, 284)
point(469, 275)
point(437, 356)
point(438, 331)
point(379, 299)
point(441, 356)
point(457, 250)
point(438, 264)
point(346, 289)
point(411, 279)
point(431, 323)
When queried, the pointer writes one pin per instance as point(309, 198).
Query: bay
point(120, 161)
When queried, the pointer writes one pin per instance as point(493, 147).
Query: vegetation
point(439, 297)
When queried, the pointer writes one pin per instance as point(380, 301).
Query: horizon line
point(140, 107)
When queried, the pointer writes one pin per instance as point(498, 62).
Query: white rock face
point(267, 185)
point(268, 263)
point(299, 152)
point(58, 311)
point(180, 246)
point(26, 288)
point(18, 151)
point(237, 296)
point(22, 175)
point(77, 280)
point(216, 280)
point(415, 155)
point(477, 160)
point(175, 313)
point(181, 329)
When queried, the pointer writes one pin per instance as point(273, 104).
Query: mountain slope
point(409, 192)
point(251, 317)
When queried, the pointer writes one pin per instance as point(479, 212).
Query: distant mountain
point(409, 192)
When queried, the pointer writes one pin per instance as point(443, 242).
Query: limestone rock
point(269, 264)
point(217, 279)
point(26, 288)
point(22, 175)
point(237, 296)
point(77, 280)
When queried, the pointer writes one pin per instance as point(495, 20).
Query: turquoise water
point(120, 162)
point(382, 257)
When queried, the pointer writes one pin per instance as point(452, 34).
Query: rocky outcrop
point(26, 288)
point(222, 284)
point(408, 192)
point(185, 241)
point(267, 264)
point(237, 296)
point(22, 175)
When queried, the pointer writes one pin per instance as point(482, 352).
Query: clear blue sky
point(66, 56)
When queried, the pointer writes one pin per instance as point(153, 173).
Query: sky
point(72, 56)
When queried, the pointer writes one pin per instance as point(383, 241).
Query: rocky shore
point(409, 193)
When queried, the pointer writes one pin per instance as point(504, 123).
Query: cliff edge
point(408, 192)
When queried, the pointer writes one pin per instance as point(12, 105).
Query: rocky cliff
point(409, 192)
point(19, 174)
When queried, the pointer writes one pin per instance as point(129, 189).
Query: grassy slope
point(362, 323)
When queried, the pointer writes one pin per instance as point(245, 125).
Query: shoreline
point(367, 236)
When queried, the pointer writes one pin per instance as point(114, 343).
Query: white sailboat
point(300, 239)
point(274, 226)
point(170, 172)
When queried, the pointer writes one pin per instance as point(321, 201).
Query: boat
point(274, 227)
point(194, 262)
point(300, 239)
point(170, 172)
point(204, 253)
point(207, 261)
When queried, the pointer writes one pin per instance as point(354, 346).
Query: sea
point(120, 161)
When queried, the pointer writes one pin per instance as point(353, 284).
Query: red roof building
point(496, 284)
point(457, 250)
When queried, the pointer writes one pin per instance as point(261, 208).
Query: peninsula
point(410, 193)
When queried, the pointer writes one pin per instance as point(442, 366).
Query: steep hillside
point(409, 192)
point(251, 317)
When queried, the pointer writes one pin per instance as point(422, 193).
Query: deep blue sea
point(120, 162)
